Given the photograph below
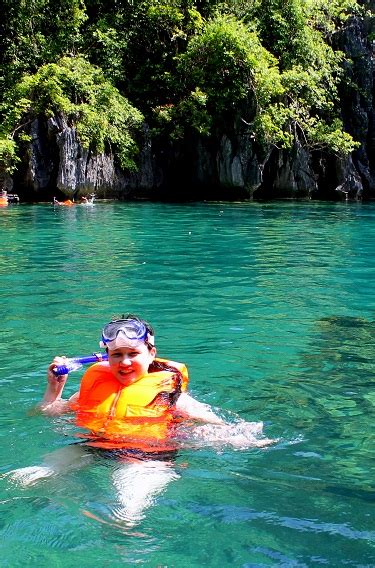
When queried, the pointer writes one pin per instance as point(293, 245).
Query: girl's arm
point(191, 408)
point(215, 430)
point(52, 404)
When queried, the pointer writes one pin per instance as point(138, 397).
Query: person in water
point(130, 345)
point(130, 408)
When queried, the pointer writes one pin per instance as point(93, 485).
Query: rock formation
point(229, 164)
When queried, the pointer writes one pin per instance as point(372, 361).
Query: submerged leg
point(137, 485)
point(62, 460)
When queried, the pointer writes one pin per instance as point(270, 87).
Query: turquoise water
point(271, 306)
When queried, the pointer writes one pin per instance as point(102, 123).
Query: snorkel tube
point(75, 363)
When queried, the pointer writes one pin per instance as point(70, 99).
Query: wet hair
point(170, 397)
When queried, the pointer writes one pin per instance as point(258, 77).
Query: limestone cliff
point(229, 164)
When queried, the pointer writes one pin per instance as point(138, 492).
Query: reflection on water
point(271, 307)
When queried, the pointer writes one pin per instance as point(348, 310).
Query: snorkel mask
point(128, 331)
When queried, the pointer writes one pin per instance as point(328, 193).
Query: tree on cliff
point(104, 119)
point(228, 75)
point(189, 66)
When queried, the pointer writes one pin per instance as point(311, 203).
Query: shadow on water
point(332, 404)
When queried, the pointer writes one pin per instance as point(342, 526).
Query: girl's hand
point(52, 403)
point(56, 382)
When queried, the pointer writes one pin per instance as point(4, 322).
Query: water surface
point(271, 306)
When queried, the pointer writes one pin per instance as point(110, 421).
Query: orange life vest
point(138, 416)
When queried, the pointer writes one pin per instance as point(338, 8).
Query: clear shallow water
point(272, 308)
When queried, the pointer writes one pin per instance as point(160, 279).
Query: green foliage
point(8, 155)
point(190, 65)
point(331, 137)
point(311, 72)
point(330, 15)
point(242, 9)
point(282, 124)
point(312, 88)
point(102, 116)
point(189, 114)
point(35, 32)
point(292, 30)
point(307, 112)
point(109, 47)
point(236, 74)
point(136, 45)
point(228, 63)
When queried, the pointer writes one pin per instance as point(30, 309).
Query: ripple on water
point(270, 306)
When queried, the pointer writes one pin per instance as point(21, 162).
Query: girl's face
point(129, 364)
